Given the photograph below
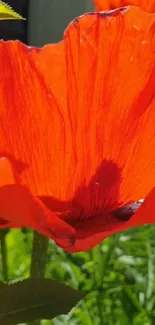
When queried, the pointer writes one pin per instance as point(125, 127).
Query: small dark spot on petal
point(126, 212)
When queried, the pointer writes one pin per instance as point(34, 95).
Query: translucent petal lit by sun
point(148, 5)
point(77, 135)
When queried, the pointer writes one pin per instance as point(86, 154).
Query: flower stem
point(39, 255)
point(38, 259)
point(4, 255)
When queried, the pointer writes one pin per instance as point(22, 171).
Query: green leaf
point(6, 12)
point(33, 299)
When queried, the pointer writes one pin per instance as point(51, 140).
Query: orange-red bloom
point(148, 5)
point(77, 129)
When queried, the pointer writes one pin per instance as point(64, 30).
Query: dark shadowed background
point(45, 19)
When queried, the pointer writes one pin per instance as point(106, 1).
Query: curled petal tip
point(66, 242)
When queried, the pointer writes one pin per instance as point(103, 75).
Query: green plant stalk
point(38, 259)
point(39, 255)
point(4, 256)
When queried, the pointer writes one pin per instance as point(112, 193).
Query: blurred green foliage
point(118, 276)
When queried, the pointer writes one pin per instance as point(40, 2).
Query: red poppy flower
point(77, 131)
point(148, 5)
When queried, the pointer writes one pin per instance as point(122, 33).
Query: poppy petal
point(7, 176)
point(17, 205)
point(6, 224)
point(114, 4)
point(88, 239)
point(112, 57)
point(129, 140)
